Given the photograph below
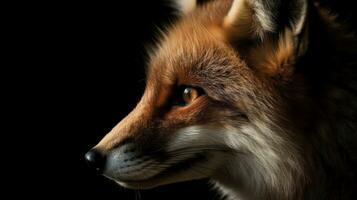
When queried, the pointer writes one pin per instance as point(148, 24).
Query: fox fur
point(277, 118)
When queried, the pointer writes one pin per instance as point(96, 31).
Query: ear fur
point(273, 27)
point(251, 18)
point(184, 6)
point(243, 21)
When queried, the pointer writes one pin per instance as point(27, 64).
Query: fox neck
point(252, 183)
point(235, 185)
point(273, 171)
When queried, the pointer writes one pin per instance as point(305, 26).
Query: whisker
point(137, 195)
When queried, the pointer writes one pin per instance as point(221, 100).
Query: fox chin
point(259, 96)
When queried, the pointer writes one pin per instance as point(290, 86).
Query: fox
point(257, 96)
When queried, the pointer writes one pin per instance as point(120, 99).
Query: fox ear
point(273, 27)
point(250, 18)
point(184, 6)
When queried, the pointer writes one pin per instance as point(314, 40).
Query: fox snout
point(122, 163)
point(153, 145)
point(129, 147)
point(171, 136)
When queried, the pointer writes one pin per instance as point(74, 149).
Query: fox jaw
point(212, 107)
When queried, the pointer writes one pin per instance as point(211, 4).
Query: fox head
point(214, 102)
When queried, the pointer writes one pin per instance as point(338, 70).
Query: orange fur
point(270, 123)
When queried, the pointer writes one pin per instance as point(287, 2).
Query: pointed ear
point(184, 6)
point(252, 18)
point(272, 28)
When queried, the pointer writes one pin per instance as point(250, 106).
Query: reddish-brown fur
point(288, 92)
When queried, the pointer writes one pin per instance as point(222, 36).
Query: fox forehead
point(195, 52)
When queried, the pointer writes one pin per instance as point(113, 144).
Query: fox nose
point(95, 160)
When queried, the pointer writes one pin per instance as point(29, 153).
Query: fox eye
point(189, 94)
point(185, 95)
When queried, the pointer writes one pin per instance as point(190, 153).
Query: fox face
point(179, 129)
point(213, 106)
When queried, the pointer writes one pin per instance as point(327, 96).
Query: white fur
point(264, 16)
point(301, 22)
point(252, 163)
point(242, 17)
point(185, 6)
point(236, 9)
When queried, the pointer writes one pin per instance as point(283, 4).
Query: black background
point(71, 71)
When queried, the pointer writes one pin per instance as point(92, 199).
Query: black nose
point(95, 160)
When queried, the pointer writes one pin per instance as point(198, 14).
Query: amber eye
point(189, 94)
point(185, 95)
